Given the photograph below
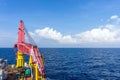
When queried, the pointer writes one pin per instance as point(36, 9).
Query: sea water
point(76, 63)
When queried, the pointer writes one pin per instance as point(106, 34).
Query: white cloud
point(99, 35)
point(108, 33)
point(50, 33)
point(114, 17)
point(110, 26)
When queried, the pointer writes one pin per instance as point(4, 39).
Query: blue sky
point(62, 23)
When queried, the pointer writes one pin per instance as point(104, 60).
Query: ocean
point(76, 63)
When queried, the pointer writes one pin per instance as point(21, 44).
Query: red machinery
point(29, 49)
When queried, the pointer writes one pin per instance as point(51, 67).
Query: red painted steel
point(29, 49)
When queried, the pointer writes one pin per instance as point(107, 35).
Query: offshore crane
point(36, 62)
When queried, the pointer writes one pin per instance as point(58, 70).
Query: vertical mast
point(21, 33)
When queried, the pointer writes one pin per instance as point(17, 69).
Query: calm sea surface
point(76, 63)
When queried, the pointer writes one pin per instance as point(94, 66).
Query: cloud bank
point(109, 33)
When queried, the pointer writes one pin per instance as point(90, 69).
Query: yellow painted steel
point(35, 67)
point(20, 59)
point(36, 72)
point(30, 61)
point(21, 79)
point(37, 76)
point(20, 63)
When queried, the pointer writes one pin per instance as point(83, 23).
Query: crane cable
point(30, 39)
